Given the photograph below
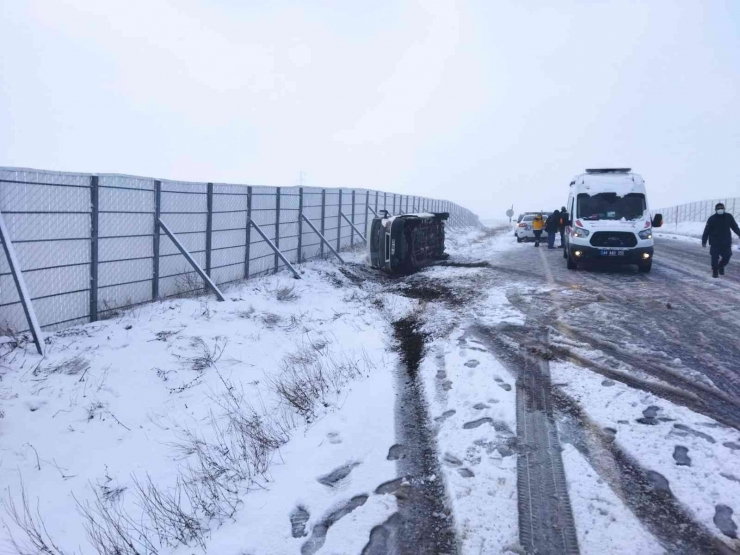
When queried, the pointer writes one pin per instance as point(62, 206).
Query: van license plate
point(605, 252)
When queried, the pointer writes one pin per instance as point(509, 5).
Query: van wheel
point(518, 239)
point(572, 265)
point(645, 268)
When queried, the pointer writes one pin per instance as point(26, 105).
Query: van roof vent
point(609, 170)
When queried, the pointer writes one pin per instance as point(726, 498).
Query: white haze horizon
point(486, 104)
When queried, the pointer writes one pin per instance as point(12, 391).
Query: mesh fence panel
point(48, 218)
point(698, 211)
point(51, 219)
point(125, 241)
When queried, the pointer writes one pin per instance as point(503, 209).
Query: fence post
point(277, 226)
point(209, 227)
point(376, 201)
point(323, 218)
point(367, 209)
point(248, 233)
point(94, 227)
point(407, 204)
point(351, 231)
point(20, 285)
point(155, 239)
point(300, 225)
point(339, 222)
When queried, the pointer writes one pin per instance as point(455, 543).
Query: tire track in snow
point(424, 522)
point(546, 524)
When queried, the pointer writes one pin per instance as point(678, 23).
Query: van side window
point(572, 209)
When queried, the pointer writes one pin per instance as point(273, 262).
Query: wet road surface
point(676, 324)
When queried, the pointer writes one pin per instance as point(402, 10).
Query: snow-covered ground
point(687, 229)
point(695, 454)
point(130, 399)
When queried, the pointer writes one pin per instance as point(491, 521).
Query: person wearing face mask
point(717, 232)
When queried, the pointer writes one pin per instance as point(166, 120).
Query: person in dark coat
point(563, 224)
point(553, 222)
point(717, 232)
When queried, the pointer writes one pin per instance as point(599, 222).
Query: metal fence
point(697, 211)
point(89, 245)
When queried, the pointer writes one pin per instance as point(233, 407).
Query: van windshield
point(610, 206)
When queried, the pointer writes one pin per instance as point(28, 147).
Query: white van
point(609, 219)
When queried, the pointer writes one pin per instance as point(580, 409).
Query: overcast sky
point(486, 103)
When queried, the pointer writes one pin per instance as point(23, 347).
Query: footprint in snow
point(649, 416)
point(477, 423)
point(684, 428)
point(472, 363)
point(396, 452)
point(681, 456)
point(445, 415)
point(337, 475)
point(658, 481)
point(503, 385)
point(318, 534)
point(397, 485)
point(298, 519)
point(723, 521)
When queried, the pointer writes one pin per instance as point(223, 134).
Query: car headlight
point(646, 234)
point(580, 232)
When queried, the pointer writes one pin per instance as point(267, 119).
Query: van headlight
point(580, 232)
point(646, 234)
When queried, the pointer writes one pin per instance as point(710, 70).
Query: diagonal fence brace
point(20, 284)
point(323, 239)
point(277, 250)
point(189, 258)
point(353, 226)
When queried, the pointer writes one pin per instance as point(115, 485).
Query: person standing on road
point(538, 224)
point(717, 232)
point(553, 222)
point(563, 224)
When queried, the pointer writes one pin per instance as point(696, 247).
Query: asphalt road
point(676, 326)
point(677, 320)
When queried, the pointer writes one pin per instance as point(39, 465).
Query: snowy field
point(158, 398)
point(269, 423)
